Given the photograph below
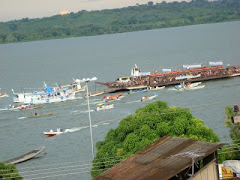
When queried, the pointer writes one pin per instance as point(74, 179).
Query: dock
point(102, 91)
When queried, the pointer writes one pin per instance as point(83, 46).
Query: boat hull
point(49, 134)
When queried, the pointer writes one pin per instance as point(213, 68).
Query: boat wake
point(84, 127)
point(132, 101)
point(75, 129)
point(81, 112)
point(22, 117)
point(95, 102)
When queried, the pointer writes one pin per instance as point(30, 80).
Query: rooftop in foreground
point(163, 159)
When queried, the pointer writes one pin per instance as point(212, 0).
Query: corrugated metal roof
point(161, 160)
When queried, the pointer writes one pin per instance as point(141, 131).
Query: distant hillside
point(135, 18)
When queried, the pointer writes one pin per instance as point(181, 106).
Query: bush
point(144, 127)
point(9, 172)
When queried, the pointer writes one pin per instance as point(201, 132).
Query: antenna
point(192, 154)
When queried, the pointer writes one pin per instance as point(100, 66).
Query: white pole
point(90, 121)
point(192, 166)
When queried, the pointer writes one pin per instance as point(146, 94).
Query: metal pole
point(192, 166)
point(90, 121)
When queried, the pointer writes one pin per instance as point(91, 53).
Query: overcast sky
point(18, 9)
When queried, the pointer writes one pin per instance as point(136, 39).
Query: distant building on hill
point(63, 12)
point(169, 158)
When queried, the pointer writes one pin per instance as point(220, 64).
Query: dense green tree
point(9, 172)
point(145, 126)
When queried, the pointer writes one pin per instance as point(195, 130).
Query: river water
point(28, 65)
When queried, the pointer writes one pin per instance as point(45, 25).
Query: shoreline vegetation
point(129, 19)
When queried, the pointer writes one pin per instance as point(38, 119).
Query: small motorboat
point(25, 107)
point(157, 87)
point(3, 94)
point(195, 87)
point(102, 106)
point(114, 97)
point(54, 133)
point(145, 98)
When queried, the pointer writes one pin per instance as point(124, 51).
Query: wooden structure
point(39, 115)
point(168, 158)
point(102, 91)
point(235, 119)
point(26, 156)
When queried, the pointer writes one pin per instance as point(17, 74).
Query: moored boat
point(75, 86)
point(26, 156)
point(195, 87)
point(156, 87)
point(189, 86)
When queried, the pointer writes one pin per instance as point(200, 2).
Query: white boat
point(54, 133)
point(3, 94)
point(145, 98)
point(42, 97)
point(103, 106)
point(75, 86)
point(157, 87)
point(189, 86)
point(195, 87)
point(193, 84)
point(12, 108)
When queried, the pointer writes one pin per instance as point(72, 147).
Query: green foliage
point(9, 172)
point(144, 127)
point(231, 151)
point(134, 18)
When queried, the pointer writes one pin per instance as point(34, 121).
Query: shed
point(168, 158)
point(235, 119)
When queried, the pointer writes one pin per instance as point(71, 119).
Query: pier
point(102, 91)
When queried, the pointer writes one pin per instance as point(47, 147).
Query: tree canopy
point(9, 172)
point(132, 18)
point(144, 127)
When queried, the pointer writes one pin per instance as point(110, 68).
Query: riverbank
point(129, 19)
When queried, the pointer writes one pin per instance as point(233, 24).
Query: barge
point(191, 73)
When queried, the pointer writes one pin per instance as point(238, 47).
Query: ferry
point(49, 94)
point(188, 73)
